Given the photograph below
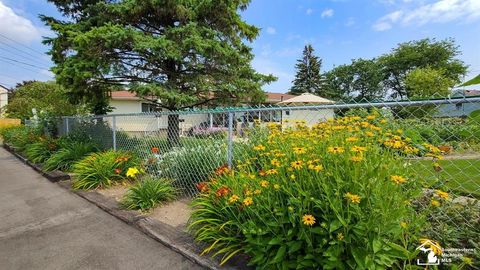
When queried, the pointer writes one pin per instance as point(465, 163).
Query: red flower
point(118, 171)
point(222, 191)
point(155, 150)
point(203, 187)
point(222, 170)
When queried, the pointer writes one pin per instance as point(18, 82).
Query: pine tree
point(184, 53)
point(308, 78)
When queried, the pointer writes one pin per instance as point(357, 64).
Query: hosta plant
point(333, 196)
point(149, 193)
point(104, 169)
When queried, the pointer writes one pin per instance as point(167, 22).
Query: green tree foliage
point(308, 78)
point(47, 97)
point(427, 83)
point(361, 80)
point(184, 53)
point(339, 82)
point(408, 56)
point(375, 78)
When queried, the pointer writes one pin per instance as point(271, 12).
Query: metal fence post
point(230, 140)
point(67, 128)
point(114, 132)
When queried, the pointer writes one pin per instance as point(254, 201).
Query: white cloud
point(17, 27)
point(327, 13)
point(309, 11)
point(271, 30)
point(382, 26)
point(350, 22)
point(441, 11)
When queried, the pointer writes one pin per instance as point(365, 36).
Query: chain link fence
point(188, 146)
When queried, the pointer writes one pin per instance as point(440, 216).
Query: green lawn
point(462, 175)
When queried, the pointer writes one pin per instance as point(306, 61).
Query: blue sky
point(339, 30)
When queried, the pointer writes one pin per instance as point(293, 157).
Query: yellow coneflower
point(351, 139)
point(353, 198)
point(264, 183)
point(299, 150)
point(435, 203)
point(356, 158)
point(358, 149)
point(442, 194)
point(271, 171)
point(275, 162)
point(296, 164)
point(247, 201)
point(397, 179)
point(257, 191)
point(335, 149)
point(308, 220)
point(233, 198)
point(259, 148)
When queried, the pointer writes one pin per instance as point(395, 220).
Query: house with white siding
point(3, 99)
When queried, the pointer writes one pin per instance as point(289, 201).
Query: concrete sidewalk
point(43, 226)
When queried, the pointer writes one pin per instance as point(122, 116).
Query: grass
point(460, 175)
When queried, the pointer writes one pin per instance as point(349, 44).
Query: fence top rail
point(386, 104)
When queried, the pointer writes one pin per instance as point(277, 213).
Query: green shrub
point(327, 197)
point(20, 136)
point(40, 151)
point(71, 152)
point(148, 193)
point(103, 169)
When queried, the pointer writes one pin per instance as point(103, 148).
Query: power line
point(26, 68)
point(5, 37)
point(34, 59)
point(9, 53)
point(23, 63)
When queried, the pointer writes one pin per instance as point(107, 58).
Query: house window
point(149, 107)
point(458, 106)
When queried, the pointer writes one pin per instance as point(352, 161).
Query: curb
point(53, 176)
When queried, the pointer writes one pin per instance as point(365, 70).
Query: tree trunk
point(173, 130)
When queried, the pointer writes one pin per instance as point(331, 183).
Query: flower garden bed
point(340, 194)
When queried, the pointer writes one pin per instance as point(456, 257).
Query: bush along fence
point(338, 186)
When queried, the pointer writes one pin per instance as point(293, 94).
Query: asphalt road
point(43, 226)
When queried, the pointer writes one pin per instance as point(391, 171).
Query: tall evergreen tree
point(185, 53)
point(308, 78)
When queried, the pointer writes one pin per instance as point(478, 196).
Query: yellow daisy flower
point(335, 149)
point(233, 198)
point(308, 220)
point(296, 164)
point(247, 201)
point(397, 179)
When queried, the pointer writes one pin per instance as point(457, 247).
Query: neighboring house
point(3, 99)
point(125, 102)
point(309, 115)
point(459, 109)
